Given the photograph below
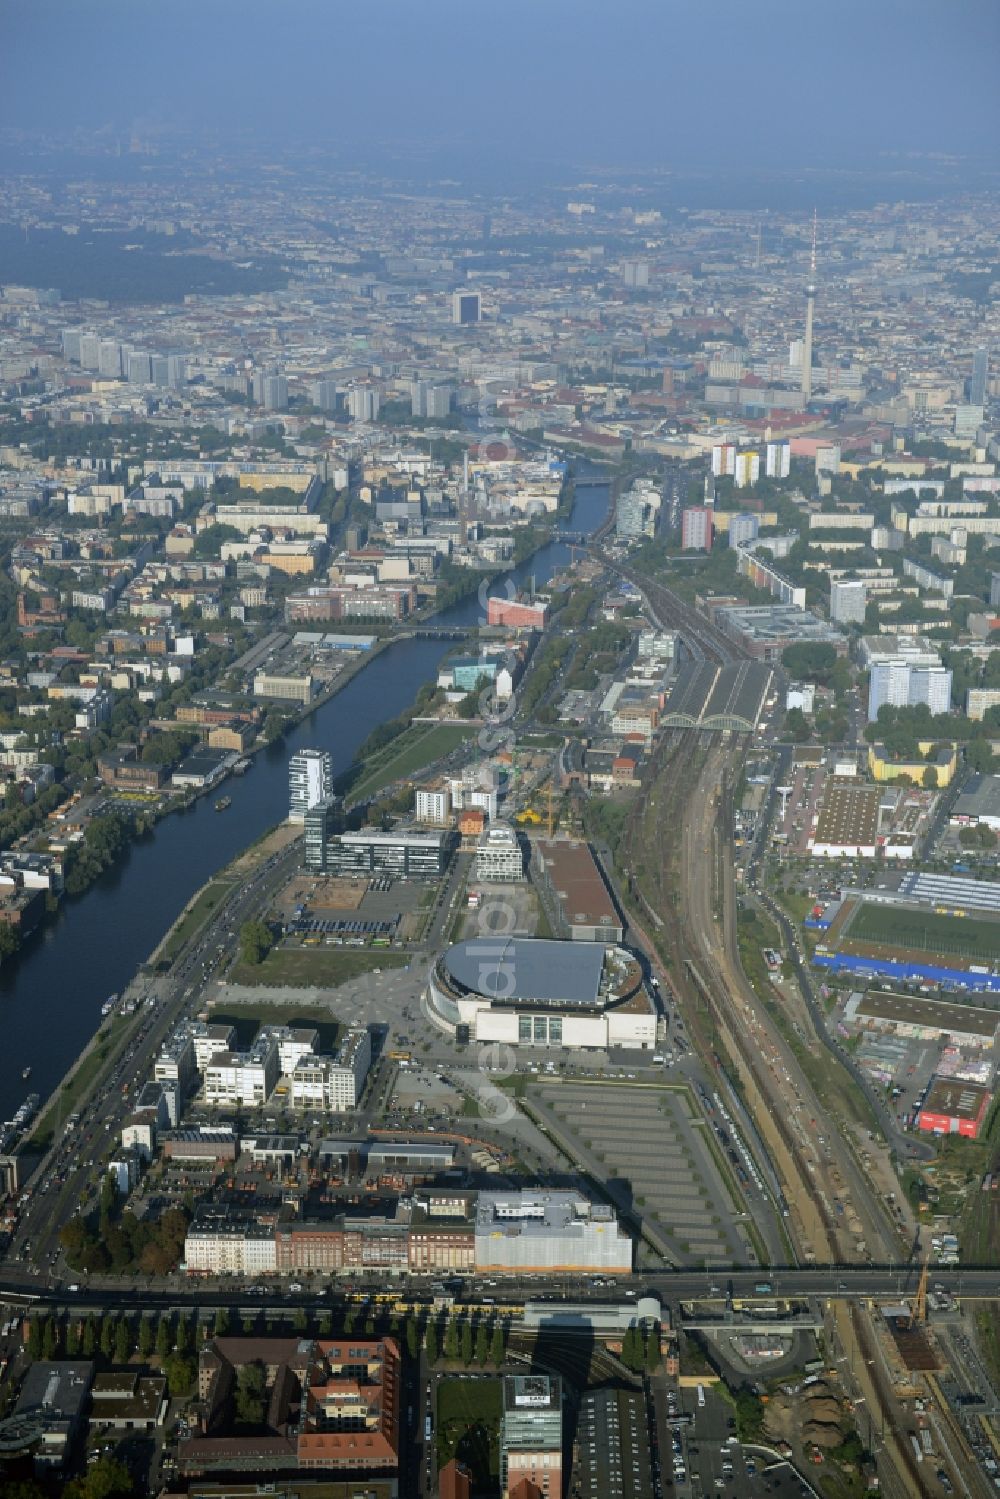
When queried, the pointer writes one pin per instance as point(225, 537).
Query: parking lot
point(647, 1138)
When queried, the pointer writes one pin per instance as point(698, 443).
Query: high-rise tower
point(807, 347)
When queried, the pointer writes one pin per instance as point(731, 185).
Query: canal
point(51, 994)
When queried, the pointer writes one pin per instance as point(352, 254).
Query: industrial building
point(528, 991)
point(847, 826)
point(612, 1453)
point(978, 803)
point(581, 902)
point(954, 1107)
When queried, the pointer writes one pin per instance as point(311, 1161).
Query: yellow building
point(884, 768)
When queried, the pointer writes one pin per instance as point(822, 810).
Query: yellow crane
point(920, 1302)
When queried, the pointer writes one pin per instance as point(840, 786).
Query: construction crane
point(551, 820)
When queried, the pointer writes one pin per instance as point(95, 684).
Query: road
point(65, 1175)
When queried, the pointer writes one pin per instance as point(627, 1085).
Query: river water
point(51, 994)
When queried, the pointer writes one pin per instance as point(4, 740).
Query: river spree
point(51, 995)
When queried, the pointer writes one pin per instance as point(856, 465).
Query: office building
point(534, 1230)
point(284, 688)
point(517, 614)
point(90, 350)
point(979, 382)
point(403, 855)
point(109, 358)
point(244, 1078)
point(466, 308)
point(848, 602)
point(531, 1434)
point(743, 528)
point(696, 528)
point(778, 460)
point(138, 367)
point(321, 821)
point(903, 685)
point(635, 517)
point(995, 590)
point(968, 420)
point(53, 1399)
point(310, 781)
point(499, 858)
point(333, 1083)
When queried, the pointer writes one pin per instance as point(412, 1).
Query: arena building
point(528, 991)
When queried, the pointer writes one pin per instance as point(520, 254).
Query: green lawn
point(962, 936)
point(205, 903)
point(324, 967)
point(419, 745)
point(468, 1427)
point(249, 1018)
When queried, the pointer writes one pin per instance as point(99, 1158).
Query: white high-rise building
point(902, 685)
point(363, 403)
point(723, 458)
point(778, 460)
point(747, 470)
point(310, 781)
point(847, 602)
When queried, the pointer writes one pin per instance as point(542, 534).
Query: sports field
point(973, 937)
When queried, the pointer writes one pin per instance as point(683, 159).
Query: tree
point(183, 1340)
point(810, 661)
point(107, 1338)
point(164, 1336)
point(796, 726)
point(930, 779)
point(181, 1371)
point(72, 1338)
point(497, 1346)
point(251, 1392)
point(412, 1334)
point(325, 1325)
point(222, 1323)
point(482, 1343)
point(88, 1342)
point(49, 1339)
point(451, 1339)
point(299, 1322)
point(123, 1342)
point(107, 1479)
point(466, 1342)
point(431, 1343)
point(255, 941)
point(34, 1345)
point(147, 1338)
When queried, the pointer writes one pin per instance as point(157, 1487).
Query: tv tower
point(807, 350)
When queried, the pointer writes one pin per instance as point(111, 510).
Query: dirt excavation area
point(812, 1417)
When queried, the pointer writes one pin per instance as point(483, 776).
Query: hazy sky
point(749, 83)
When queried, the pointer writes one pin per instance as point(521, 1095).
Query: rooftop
point(528, 970)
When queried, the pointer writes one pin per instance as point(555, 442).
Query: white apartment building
point(246, 1078)
point(176, 1060)
point(209, 1040)
point(230, 1249)
point(310, 781)
point(433, 803)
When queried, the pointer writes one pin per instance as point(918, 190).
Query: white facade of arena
point(531, 992)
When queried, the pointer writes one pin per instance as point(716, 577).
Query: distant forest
point(99, 265)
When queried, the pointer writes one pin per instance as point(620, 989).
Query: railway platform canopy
point(716, 699)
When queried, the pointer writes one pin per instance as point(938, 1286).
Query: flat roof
point(957, 1099)
point(849, 813)
point(950, 890)
point(576, 880)
point(913, 1009)
point(525, 970)
point(762, 622)
point(979, 797)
